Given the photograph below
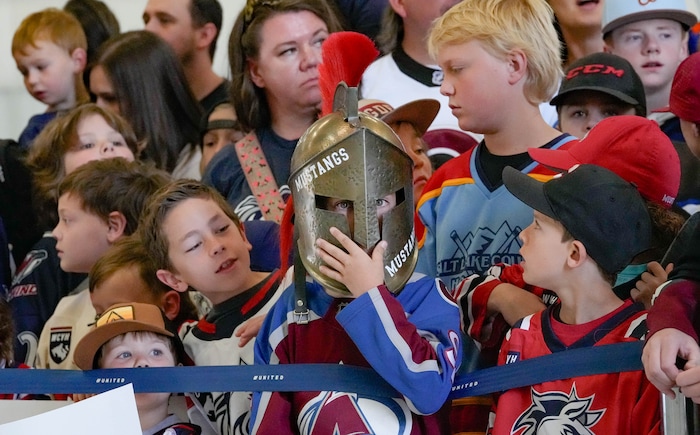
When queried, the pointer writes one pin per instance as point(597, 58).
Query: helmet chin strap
point(301, 310)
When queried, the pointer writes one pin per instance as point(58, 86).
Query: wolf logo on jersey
point(60, 343)
point(557, 412)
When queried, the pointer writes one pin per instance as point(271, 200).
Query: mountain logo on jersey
point(59, 343)
point(371, 417)
point(556, 412)
point(476, 252)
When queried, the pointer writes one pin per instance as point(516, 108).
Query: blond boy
point(49, 48)
point(470, 218)
point(501, 60)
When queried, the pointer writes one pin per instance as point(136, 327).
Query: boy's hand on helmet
point(354, 268)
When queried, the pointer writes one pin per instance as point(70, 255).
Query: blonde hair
point(502, 26)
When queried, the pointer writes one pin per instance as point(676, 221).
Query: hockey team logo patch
point(30, 262)
point(59, 343)
point(476, 251)
point(557, 412)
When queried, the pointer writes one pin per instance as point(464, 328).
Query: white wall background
point(16, 105)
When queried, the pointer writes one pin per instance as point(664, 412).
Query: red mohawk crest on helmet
point(346, 55)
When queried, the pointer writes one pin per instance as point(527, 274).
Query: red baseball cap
point(633, 147)
point(685, 91)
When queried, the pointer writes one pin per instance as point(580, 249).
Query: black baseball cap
point(606, 73)
point(601, 210)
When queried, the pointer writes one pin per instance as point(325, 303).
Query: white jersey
point(71, 321)
point(211, 341)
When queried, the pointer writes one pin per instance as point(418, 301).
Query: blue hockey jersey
point(470, 226)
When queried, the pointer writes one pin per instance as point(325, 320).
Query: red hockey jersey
point(614, 403)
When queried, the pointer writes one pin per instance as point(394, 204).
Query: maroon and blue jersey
point(411, 340)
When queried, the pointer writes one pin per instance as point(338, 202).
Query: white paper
point(110, 413)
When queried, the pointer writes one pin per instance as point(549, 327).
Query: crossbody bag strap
point(259, 177)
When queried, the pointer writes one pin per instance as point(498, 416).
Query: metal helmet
point(359, 159)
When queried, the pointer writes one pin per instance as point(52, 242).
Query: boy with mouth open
point(198, 242)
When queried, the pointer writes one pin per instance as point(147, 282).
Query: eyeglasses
point(252, 5)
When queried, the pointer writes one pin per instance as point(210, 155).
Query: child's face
point(101, 87)
point(655, 48)
point(544, 253)
point(582, 111)
point(207, 249)
point(346, 208)
point(417, 150)
point(139, 349)
point(81, 237)
point(123, 286)
point(476, 103)
point(49, 74)
point(216, 139)
point(97, 140)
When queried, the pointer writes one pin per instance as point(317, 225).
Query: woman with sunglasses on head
point(274, 53)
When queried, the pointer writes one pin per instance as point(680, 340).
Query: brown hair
point(501, 26)
point(665, 225)
point(109, 185)
point(207, 11)
point(129, 251)
point(151, 89)
point(7, 333)
point(151, 229)
point(46, 156)
point(249, 101)
point(391, 33)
